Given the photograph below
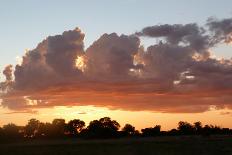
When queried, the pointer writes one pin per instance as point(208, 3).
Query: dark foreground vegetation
point(104, 128)
point(104, 136)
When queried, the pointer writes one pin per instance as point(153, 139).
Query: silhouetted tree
point(129, 130)
point(11, 131)
point(173, 132)
point(31, 129)
point(1, 133)
point(102, 128)
point(58, 128)
point(197, 127)
point(210, 129)
point(185, 128)
point(226, 131)
point(46, 130)
point(74, 127)
point(148, 132)
point(206, 131)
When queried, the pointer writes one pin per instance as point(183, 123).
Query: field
point(216, 145)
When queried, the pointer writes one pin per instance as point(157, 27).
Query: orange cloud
point(177, 75)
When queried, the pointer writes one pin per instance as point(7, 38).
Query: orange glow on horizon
point(140, 119)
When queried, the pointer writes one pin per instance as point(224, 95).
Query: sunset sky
point(143, 62)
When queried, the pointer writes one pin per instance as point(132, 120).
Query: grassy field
point(141, 146)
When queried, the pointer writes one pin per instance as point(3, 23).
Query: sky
point(26, 23)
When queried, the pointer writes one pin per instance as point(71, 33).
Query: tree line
point(101, 129)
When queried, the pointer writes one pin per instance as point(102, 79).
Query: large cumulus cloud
point(111, 57)
point(51, 62)
point(177, 74)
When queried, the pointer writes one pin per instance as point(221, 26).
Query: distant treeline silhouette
point(101, 129)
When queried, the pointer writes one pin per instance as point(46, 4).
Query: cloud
point(7, 84)
point(111, 57)
point(21, 112)
point(176, 75)
point(8, 72)
point(51, 62)
point(225, 113)
point(189, 34)
point(221, 29)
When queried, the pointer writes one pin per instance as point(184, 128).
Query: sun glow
point(80, 63)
